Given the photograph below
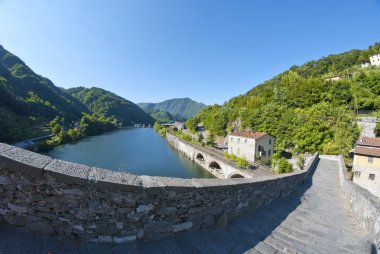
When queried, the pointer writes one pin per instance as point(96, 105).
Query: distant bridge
point(213, 161)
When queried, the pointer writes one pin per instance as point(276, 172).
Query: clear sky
point(153, 50)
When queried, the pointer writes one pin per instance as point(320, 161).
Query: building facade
point(333, 78)
point(252, 146)
point(366, 165)
point(375, 59)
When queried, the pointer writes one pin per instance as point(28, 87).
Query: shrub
point(284, 166)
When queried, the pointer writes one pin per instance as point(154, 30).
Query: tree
point(192, 124)
point(56, 129)
point(284, 166)
point(210, 140)
point(200, 138)
point(74, 134)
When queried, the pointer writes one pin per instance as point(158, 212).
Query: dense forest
point(301, 108)
point(102, 102)
point(172, 110)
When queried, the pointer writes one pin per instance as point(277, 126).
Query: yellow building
point(366, 164)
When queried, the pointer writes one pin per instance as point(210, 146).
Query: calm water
point(136, 151)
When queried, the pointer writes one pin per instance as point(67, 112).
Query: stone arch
point(237, 175)
point(214, 165)
point(200, 157)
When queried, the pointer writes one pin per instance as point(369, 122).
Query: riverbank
point(214, 161)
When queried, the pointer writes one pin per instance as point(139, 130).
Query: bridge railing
point(364, 204)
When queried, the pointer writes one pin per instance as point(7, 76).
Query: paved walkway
point(316, 218)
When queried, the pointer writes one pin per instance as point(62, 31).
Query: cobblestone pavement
point(316, 218)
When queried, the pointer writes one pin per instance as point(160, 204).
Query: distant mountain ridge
point(179, 109)
point(102, 102)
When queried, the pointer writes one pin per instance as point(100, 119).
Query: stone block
point(182, 226)
point(152, 185)
point(20, 160)
point(116, 181)
point(4, 180)
point(123, 239)
point(5, 147)
point(68, 172)
point(144, 208)
point(167, 211)
point(17, 208)
point(105, 239)
point(175, 184)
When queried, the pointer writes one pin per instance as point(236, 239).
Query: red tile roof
point(249, 134)
point(367, 141)
point(369, 151)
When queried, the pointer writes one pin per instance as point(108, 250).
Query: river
point(136, 151)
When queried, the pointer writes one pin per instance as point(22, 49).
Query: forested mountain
point(180, 109)
point(102, 102)
point(28, 101)
point(303, 109)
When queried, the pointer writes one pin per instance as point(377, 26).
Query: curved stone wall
point(48, 196)
point(364, 204)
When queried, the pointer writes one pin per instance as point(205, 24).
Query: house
point(365, 65)
point(366, 165)
point(375, 59)
point(252, 146)
point(333, 78)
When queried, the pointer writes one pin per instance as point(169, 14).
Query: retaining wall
point(363, 203)
point(48, 196)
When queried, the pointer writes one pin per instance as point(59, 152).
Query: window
point(357, 174)
point(238, 140)
point(269, 152)
point(370, 159)
point(238, 151)
point(270, 141)
point(245, 140)
point(232, 139)
point(371, 177)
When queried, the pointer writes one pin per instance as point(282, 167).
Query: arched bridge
point(211, 160)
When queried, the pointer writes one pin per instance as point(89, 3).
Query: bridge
point(316, 218)
point(214, 161)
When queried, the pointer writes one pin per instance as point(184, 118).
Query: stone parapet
point(47, 196)
point(364, 204)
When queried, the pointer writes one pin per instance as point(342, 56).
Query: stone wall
point(48, 196)
point(364, 204)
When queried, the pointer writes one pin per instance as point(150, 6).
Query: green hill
point(180, 109)
point(28, 101)
point(301, 108)
point(103, 102)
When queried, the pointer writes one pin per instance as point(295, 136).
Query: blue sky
point(153, 50)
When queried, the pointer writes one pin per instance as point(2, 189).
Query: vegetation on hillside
point(89, 125)
point(105, 103)
point(300, 108)
point(28, 102)
point(178, 109)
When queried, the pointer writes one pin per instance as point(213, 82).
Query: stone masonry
point(46, 196)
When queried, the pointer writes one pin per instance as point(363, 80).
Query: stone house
point(366, 165)
point(252, 146)
point(375, 59)
point(333, 78)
